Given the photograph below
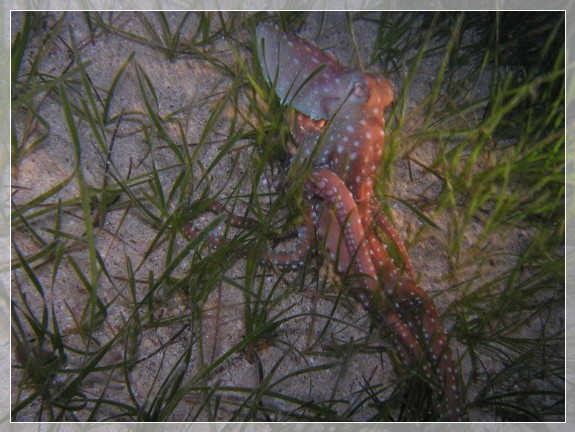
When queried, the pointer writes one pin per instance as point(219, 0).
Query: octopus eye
point(359, 89)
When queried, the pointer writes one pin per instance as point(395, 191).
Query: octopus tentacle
point(335, 193)
point(420, 314)
point(293, 258)
point(216, 240)
point(381, 222)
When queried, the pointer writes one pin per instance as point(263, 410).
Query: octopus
point(339, 129)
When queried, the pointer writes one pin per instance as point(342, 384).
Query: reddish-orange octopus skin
point(347, 218)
